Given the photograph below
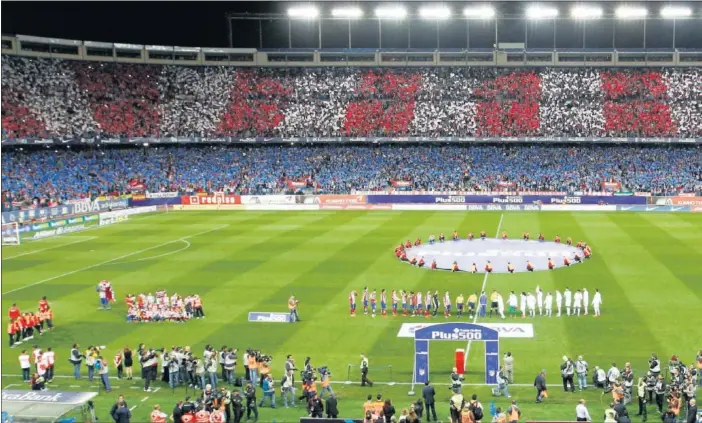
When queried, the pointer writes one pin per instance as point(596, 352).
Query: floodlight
point(482, 12)
point(347, 12)
point(676, 12)
point(629, 12)
point(435, 12)
point(541, 12)
point(390, 12)
point(586, 12)
point(303, 12)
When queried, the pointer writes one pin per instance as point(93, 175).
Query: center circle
point(499, 252)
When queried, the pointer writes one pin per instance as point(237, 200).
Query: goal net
point(10, 234)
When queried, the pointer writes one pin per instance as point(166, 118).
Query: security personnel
point(158, 416)
point(529, 266)
point(513, 412)
point(456, 381)
point(364, 372)
point(488, 267)
point(510, 267)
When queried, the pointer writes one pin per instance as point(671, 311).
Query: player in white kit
point(549, 304)
point(559, 302)
point(513, 304)
point(597, 302)
point(568, 297)
point(586, 300)
point(577, 302)
point(500, 305)
point(531, 304)
point(540, 300)
point(522, 304)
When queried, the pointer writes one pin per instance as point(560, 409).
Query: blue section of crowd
point(68, 174)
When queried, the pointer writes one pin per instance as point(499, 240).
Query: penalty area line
point(90, 238)
point(482, 289)
point(112, 260)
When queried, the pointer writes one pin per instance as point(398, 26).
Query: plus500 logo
point(460, 335)
point(277, 318)
point(566, 200)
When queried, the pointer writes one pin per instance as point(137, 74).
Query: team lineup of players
point(412, 303)
point(401, 252)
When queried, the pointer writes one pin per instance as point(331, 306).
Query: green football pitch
point(647, 267)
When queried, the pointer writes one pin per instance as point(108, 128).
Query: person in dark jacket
point(540, 385)
point(388, 410)
point(122, 414)
point(115, 406)
point(418, 408)
point(624, 418)
point(428, 393)
point(316, 407)
point(620, 408)
point(177, 415)
point(668, 416)
point(332, 407)
point(692, 412)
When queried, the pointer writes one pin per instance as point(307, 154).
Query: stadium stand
point(49, 97)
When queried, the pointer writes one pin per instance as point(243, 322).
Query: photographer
point(200, 372)
point(173, 369)
point(211, 369)
point(251, 406)
point(456, 381)
point(325, 378)
point(268, 391)
point(654, 365)
point(287, 390)
point(149, 364)
point(229, 364)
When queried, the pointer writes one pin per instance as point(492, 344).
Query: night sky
point(203, 24)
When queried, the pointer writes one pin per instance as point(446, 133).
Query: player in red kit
point(417, 242)
point(483, 235)
point(383, 303)
point(43, 305)
point(541, 237)
point(420, 263)
point(525, 236)
point(14, 312)
point(433, 265)
point(566, 261)
point(352, 303)
point(557, 239)
point(470, 236)
point(504, 235)
point(408, 244)
point(395, 300)
point(455, 235)
point(569, 241)
point(364, 298)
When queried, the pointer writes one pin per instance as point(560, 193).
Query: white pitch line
point(133, 407)
point(11, 385)
point(49, 248)
point(144, 399)
point(111, 260)
point(187, 245)
point(475, 317)
point(156, 390)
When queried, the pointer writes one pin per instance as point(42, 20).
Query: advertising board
point(502, 199)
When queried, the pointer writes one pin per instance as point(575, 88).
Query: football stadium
point(369, 212)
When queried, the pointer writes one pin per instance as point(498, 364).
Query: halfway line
point(475, 318)
point(111, 260)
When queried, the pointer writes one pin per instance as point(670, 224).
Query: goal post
point(10, 234)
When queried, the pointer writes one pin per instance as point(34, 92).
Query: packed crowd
point(49, 97)
point(162, 308)
point(69, 174)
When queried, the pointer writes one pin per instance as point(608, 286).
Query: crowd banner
point(504, 199)
point(655, 208)
point(675, 201)
point(337, 140)
point(210, 199)
point(342, 199)
point(279, 199)
point(83, 207)
point(160, 195)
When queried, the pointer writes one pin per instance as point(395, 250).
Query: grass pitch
point(645, 265)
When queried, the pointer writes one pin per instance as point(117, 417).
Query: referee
point(364, 372)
